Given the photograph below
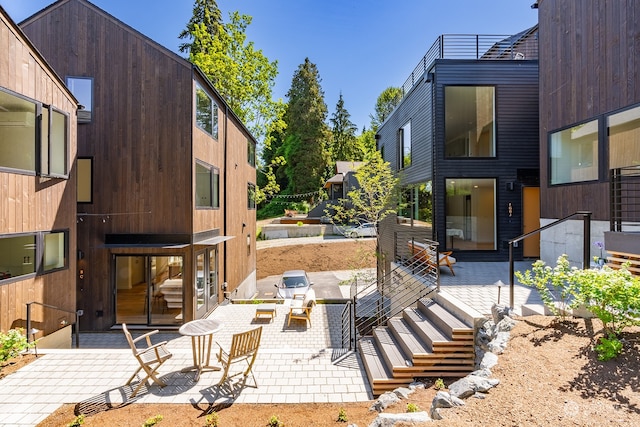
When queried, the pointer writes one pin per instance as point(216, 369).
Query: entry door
point(206, 285)
point(531, 221)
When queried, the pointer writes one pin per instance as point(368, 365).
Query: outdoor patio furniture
point(301, 306)
point(427, 255)
point(266, 310)
point(244, 347)
point(149, 358)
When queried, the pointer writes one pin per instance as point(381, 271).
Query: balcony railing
point(475, 46)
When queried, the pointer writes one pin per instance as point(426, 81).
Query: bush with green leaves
point(613, 295)
point(77, 422)
point(152, 421)
point(212, 419)
point(13, 343)
point(342, 416)
point(412, 407)
point(274, 421)
point(608, 348)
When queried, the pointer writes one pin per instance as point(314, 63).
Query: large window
point(206, 112)
point(82, 89)
point(573, 154)
point(469, 121)
point(207, 186)
point(416, 205)
point(27, 254)
point(404, 138)
point(18, 129)
point(624, 134)
point(471, 214)
point(251, 196)
point(17, 132)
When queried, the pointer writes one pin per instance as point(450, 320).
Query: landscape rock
point(483, 373)
point(384, 401)
point(471, 384)
point(389, 420)
point(505, 325)
point(443, 400)
point(489, 360)
point(499, 312)
point(403, 392)
point(499, 343)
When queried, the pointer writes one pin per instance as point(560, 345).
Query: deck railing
point(473, 46)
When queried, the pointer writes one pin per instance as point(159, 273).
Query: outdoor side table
point(266, 310)
point(201, 332)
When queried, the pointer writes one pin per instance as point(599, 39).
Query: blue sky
point(360, 47)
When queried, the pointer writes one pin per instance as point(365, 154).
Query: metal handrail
point(77, 313)
point(467, 46)
point(586, 217)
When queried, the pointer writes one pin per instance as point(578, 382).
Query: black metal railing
point(625, 197)
point(373, 303)
point(586, 231)
point(75, 325)
point(473, 46)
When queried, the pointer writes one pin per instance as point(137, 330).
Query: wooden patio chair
point(149, 358)
point(301, 306)
point(244, 347)
point(421, 252)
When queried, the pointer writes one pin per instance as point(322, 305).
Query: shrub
point(212, 419)
point(342, 416)
point(275, 422)
point(13, 343)
point(152, 421)
point(77, 422)
point(412, 407)
point(439, 384)
point(608, 348)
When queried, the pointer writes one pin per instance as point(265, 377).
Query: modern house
point(37, 188)
point(464, 140)
point(338, 186)
point(166, 175)
point(589, 125)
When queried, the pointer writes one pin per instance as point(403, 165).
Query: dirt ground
point(549, 375)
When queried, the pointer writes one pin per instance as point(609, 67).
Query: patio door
point(148, 290)
point(206, 281)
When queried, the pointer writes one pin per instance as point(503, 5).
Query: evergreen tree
point(344, 145)
point(386, 102)
point(204, 12)
point(306, 134)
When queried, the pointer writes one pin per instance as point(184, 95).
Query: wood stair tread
point(408, 339)
point(391, 350)
point(443, 317)
point(423, 325)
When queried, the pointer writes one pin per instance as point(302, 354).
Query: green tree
point(375, 197)
point(306, 135)
point(242, 74)
point(386, 102)
point(344, 145)
point(367, 141)
point(204, 12)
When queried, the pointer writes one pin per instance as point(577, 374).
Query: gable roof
point(158, 46)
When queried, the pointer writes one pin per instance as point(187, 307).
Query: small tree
point(373, 199)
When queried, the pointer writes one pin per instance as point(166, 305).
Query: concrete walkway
point(295, 364)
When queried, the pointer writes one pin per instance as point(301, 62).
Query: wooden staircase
point(426, 341)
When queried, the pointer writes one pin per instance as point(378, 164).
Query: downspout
point(225, 289)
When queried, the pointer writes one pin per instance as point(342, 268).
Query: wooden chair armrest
point(146, 336)
point(151, 348)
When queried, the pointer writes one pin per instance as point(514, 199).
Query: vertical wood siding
point(30, 203)
point(589, 64)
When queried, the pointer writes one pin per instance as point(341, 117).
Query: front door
point(531, 221)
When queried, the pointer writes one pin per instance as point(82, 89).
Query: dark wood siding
point(144, 144)
point(516, 108)
point(33, 204)
point(516, 120)
point(589, 65)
